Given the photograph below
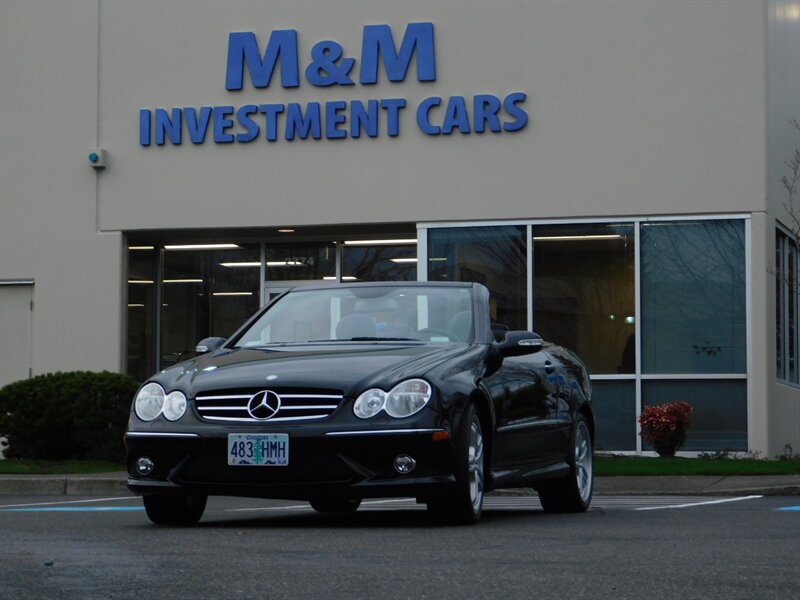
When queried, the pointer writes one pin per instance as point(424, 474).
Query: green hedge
point(59, 416)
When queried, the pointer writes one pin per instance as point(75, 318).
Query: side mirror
point(519, 343)
point(209, 344)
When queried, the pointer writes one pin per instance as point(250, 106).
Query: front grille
point(296, 405)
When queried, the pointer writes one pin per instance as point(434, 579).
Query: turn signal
point(439, 436)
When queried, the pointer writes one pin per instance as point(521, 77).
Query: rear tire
point(335, 505)
point(465, 504)
point(573, 493)
point(175, 510)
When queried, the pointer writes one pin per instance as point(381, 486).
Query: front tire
point(573, 493)
point(175, 510)
point(465, 504)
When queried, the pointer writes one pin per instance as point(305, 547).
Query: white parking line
point(69, 502)
point(693, 504)
point(308, 506)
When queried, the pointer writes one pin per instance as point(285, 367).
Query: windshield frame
point(407, 301)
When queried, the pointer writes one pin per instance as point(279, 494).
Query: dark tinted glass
point(493, 256)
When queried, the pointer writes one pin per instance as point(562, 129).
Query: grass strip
point(604, 466)
point(13, 466)
point(642, 465)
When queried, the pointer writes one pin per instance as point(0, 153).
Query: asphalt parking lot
point(624, 547)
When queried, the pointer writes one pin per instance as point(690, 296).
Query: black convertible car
point(332, 394)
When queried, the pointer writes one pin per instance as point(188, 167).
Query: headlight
point(369, 404)
point(407, 398)
point(174, 406)
point(149, 402)
point(404, 400)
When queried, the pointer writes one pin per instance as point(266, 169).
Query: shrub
point(664, 427)
point(59, 416)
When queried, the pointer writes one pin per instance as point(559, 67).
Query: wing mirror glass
point(519, 343)
point(209, 344)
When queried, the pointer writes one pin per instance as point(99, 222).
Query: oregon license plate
point(258, 449)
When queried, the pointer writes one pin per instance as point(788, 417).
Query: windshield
point(437, 314)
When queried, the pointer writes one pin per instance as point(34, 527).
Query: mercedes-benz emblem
point(264, 405)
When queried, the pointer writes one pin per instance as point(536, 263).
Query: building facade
point(614, 172)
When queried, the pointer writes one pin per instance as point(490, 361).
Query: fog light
point(404, 464)
point(144, 466)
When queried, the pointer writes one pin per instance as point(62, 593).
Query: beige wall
point(635, 108)
point(783, 95)
point(48, 202)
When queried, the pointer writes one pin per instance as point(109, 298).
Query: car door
point(525, 390)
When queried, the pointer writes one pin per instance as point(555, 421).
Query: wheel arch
point(486, 414)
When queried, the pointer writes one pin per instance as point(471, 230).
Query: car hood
point(347, 367)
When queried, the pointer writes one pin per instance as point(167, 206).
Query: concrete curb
point(68, 485)
point(114, 484)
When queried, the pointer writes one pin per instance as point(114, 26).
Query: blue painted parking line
point(72, 509)
point(786, 508)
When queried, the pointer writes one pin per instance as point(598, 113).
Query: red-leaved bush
point(664, 427)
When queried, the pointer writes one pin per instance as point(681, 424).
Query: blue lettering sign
point(364, 119)
point(222, 123)
point(423, 116)
point(303, 124)
point(169, 125)
point(392, 107)
point(243, 50)
point(250, 126)
point(144, 127)
point(333, 118)
point(271, 112)
point(197, 125)
point(377, 43)
point(328, 65)
point(324, 70)
point(485, 109)
point(510, 106)
point(456, 116)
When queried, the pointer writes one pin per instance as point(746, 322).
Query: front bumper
point(356, 463)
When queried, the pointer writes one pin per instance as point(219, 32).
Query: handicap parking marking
point(788, 508)
point(72, 509)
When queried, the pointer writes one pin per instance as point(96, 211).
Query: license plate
point(258, 449)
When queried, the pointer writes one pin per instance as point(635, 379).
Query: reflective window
point(205, 293)
point(719, 411)
point(584, 292)
point(380, 262)
point(493, 256)
point(440, 315)
point(305, 261)
point(614, 407)
point(786, 307)
point(142, 276)
point(693, 297)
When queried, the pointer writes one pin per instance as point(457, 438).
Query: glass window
point(584, 292)
point(442, 315)
point(142, 276)
point(614, 407)
point(719, 411)
point(301, 262)
point(693, 297)
point(493, 256)
point(205, 293)
point(786, 307)
point(379, 262)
